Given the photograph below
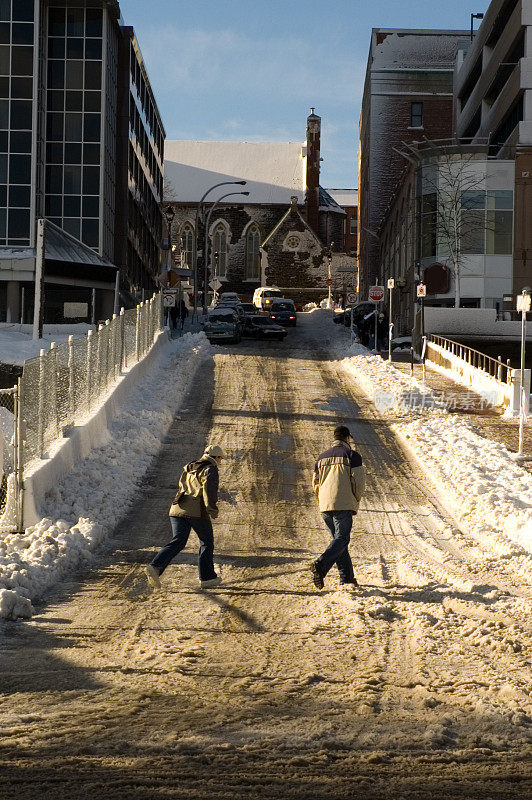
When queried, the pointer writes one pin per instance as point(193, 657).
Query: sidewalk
point(484, 419)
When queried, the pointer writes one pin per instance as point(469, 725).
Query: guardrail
point(484, 374)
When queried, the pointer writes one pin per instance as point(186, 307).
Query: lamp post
point(523, 305)
point(329, 275)
point(169, 214)
point(196, 237)
point(206, 248)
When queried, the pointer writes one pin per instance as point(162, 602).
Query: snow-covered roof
point(346, 198)
point(327, 203)
point(274, 171)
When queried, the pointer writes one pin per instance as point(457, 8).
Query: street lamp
point(198, 211)
point(329, 278)
point(206, 248)
point(169, 213)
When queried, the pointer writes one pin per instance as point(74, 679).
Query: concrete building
point(77, 123)
point(249, 241)
point(408, 96)
point(493, 102)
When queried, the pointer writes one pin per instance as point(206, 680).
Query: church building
point(273, 236)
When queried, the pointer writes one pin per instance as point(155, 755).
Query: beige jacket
point(197, 493)
point(339, 479)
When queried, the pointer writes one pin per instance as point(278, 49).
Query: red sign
point(376, 294)
point(329, 281)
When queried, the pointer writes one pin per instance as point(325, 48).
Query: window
point(187, 244)
point(499, 222)
point(473, 222)
point(416, 115)
point(219, 250)
point(253, 253)
point(352, 226)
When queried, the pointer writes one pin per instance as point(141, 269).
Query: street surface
point(416, 685)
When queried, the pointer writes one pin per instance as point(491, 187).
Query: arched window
point(219, 250)
point(253, 253)
point(187, 244)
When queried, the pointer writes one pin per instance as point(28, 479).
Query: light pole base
point(520, 458)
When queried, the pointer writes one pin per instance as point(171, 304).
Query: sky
point(250, 70)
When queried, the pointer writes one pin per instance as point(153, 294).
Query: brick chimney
point(312, 199)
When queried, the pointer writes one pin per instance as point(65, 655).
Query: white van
point(263, 296)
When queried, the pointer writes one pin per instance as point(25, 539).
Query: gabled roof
point(274, 171)
point(292, 209)
point(328, 203)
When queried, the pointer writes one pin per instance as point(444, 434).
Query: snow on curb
point(478, 480)
point(91, 499)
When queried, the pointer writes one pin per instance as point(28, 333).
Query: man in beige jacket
point(338, 482)
point(195, 504)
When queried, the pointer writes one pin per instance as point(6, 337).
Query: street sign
point(523, 302)
point(215, 284)
point(421, 290)
point(329, 281)
point(391, 283)
point(351, 298)
point(376, 294)
point(168, 300)
point(345, 268)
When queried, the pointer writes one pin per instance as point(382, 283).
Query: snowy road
point(415, 686)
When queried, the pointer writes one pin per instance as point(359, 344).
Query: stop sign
point(376, 294)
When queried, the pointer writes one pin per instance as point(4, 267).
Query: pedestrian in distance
point(195, 505)
point(338, 482)
point(183, 312)
point(174, 316)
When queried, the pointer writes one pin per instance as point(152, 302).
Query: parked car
point(248, 309)
point(223, 325)
point(229, 297)
point(283, 311)
point(262, 327)
point(264, 295)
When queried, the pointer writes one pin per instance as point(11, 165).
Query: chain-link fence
point(65, 384)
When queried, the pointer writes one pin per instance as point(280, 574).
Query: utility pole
point(523, 305)
point(391, 284)
point(38, 305)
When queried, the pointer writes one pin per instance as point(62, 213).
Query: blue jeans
point(339, 524)
point(181, 527)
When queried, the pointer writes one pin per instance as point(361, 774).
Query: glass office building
point(77, 122)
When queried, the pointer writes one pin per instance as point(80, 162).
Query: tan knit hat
point(214, 451)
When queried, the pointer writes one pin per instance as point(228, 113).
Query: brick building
point(408, 96)
point(280, 234)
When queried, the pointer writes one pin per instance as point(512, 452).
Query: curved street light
point(196, 227)
point(207, 223)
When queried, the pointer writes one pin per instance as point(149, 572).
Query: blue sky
point(249, 70)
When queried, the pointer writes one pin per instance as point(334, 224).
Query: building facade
point(65, 89)
point(408, 96)
point(493, 106)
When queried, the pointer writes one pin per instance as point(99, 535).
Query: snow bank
point(478, 480)
point(88, 502)
point(17, 344)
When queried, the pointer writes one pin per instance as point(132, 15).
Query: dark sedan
point(263, 328)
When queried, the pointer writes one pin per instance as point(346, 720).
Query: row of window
point(143, 93)
point(139, 137)
point(16, 60)
point(74, 21)
point(143, 189)
point(87, 230)
point(76, 74)
point(16, 10)
point(73, 127)
point(15, 226)
point(219, 250)
point(72, 179)
point(16, 33)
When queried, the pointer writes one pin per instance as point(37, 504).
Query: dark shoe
point(153, 576)
point(210, 583)
point(317, 577)
point(353, 582)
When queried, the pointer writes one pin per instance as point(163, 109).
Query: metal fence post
point(99, 360)
point(122, 332)
point(137, 333)
point(40, 421)
point(113, 345)
point(88, 370)
point(71, 377)
point(53, 358)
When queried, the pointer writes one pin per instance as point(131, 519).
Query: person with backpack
point(195, 505)
point(338, 482)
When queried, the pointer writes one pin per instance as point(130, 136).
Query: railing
point(495, 367)
point(490, 377)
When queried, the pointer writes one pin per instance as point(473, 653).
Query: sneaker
point(352, 582)
point(317, 577)
point(153, 576)
point(210, 583)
